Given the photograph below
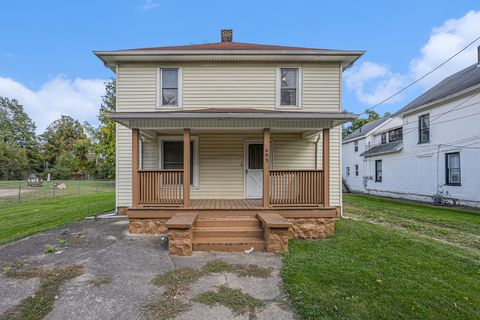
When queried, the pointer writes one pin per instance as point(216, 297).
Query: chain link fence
point(19, 192)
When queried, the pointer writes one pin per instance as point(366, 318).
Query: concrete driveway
point(117, 273)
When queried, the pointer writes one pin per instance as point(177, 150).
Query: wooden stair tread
point(228, 229)
point(227, 218)
point(229, 240)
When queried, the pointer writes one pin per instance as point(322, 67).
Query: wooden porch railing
point(163, 187)
point(296, 187)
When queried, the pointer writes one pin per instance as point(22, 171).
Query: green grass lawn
point(448, 224)
point(380, 271)
point(23, 219)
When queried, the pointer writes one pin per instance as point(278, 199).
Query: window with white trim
point(171, 156)
point(169, 88)
point(378, 171)
point(356, 170)
point(452, 169)
point(348, 171)
point(288, 87)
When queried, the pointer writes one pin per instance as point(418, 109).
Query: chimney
point(227, 35)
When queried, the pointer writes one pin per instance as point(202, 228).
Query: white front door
point(253, 170)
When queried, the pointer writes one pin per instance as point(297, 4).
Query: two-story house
point(228, 145)
point(428, 151)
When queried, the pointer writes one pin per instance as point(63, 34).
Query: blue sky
point(46, 58)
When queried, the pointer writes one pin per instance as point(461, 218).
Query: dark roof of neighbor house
point(383, 148)
point(457, 82)
point(363, 130)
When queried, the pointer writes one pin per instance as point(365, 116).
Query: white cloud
point(372, 82)
point(385, 83)
point(149, 5)
point(78, 98)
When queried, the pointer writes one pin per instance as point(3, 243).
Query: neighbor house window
point(453, 174)
point(348, 171)
point(355, 146)
point(424, 128)
point(289, 87)
point(384, 138)
point(395, 135)
point(378, 170)
point(169, 87)
point(356, 170)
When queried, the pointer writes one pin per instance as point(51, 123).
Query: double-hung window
point(171, 156)
point(424, 128)
point(288, 87)
point(384, 138)
point(378, 170)
point(169, 87)
point(452, 169)
point(348, 171)
point(356, 170)
point(355, 145)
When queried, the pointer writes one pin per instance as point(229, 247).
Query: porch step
point(236, 244)
point(227, 232)
point(229, 221)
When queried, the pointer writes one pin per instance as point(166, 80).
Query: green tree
point(103, 139)
point(18, 141)
point(65, 137)
point(359, 122)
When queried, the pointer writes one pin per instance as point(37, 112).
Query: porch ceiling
point(232, 119)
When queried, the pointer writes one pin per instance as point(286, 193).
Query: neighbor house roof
point(453, 84)
point(383, 148)
point(364, 130)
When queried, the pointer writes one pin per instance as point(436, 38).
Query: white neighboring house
point(429, 150)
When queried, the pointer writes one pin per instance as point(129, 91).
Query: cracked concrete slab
point(129, 263)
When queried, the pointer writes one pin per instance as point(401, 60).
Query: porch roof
point(231, 118)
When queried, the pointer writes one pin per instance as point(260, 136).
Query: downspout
point(316, 151)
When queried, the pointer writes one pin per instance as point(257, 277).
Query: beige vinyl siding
point(228, 86)
point(321, 88)
point(293, 152)
point(335, 166)
point(124, 166)
point(149, 153)
point(136, 88)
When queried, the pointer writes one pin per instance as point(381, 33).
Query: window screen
point(173, 156)
point(255, 156)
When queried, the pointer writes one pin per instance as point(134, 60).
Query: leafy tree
point(18, 142)
point(104, 138)
point(65, 136)
point(359, 122)
point(14, 161)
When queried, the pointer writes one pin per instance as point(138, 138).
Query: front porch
point(232, 181)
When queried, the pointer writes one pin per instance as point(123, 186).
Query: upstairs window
point(452, 166)
point(395, 135)
point(355, 146)
point(289, 87)
point(384, 138)
point(378, 170)
point(169, 87)
point(348, 171)
point(424, 128)
point(356, 170)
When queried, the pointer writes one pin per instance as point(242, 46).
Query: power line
point(421, 78)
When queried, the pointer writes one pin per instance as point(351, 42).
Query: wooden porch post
point(266, 168)
point(326, 167)
point(135, 167)
point(186, 168)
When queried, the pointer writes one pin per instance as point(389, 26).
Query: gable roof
point(457, 82)
point(363, 130)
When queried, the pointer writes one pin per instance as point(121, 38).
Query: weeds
point(50, 248)
point(99, 280)
point(234, 299)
